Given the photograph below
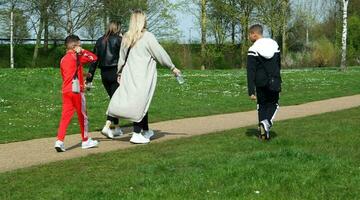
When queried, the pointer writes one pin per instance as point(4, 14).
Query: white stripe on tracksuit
point(83, 112)
point(272, 118)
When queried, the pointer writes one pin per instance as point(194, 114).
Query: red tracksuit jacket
point(68, 68)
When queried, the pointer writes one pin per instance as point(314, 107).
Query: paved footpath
point(40, 151)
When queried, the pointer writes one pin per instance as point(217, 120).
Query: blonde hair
point(137, 27)
point(113, 28)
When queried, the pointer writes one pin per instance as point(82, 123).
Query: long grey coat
point(138, 80)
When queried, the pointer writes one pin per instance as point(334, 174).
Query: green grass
point(309, 158)
point(30, 99)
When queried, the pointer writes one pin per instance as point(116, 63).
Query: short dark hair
point(256, 28)
point(69, 40)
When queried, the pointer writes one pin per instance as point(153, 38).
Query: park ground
point(316, 157)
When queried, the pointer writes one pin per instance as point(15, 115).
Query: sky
point(188, 25)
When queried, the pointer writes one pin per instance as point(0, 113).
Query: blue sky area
point(187, 24)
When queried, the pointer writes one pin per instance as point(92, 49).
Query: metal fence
point(51, 41)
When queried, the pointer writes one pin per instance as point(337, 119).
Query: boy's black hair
point(256, 28)
point(71, 39)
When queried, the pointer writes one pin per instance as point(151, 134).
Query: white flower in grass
point(257, 191)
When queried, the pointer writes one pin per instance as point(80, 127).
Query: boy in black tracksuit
point(263, 65)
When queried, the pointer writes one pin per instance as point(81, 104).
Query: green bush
point(23, 55)
point(323, 53)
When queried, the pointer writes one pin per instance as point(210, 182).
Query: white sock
point(108, 124)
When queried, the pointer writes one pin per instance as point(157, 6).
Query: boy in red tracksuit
point(74, 100)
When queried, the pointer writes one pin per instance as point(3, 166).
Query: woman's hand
point(176, 71)
point(119, 78)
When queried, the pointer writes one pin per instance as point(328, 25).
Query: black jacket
point(264, 53)
point(107, 52)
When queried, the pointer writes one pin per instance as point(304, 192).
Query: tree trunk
point(284, 27)
point(344, 36)
point(12, 38)
point(46, 33)
point(244, 39)
point(69, 22)
point(38, 41)
point(203, 34)
point(307, 36)
point(233, 32)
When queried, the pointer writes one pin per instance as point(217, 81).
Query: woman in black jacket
point(107, 49)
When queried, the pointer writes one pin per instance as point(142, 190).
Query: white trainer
point(107, 132)
point(138, 138)
point(118, 132)
point(148, 134)
point(59, 146)
point(90, 143)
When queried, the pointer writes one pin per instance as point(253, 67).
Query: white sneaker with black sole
point(107, 132)
point(265, 130)
point(59, 146)
point(138, 138)
point(117, 132)
point(148, 134)
point(90, 143)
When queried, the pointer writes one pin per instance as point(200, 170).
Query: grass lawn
point(30, 99)
point(309, 158)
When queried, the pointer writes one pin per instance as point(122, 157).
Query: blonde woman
point(137, 64)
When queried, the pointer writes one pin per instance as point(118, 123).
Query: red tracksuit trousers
point(73, 102)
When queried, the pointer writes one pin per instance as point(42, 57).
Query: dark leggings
point(109, 80)
point(142, 125)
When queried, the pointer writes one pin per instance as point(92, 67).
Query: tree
point(344, 36)
point(39, 9)
point(119, 10)
point(92, 30)
point(75, 14)
point(203, 4)
point(161, 20)
point(219, 22)
point(13, 6)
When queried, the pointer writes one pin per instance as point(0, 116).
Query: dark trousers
point(109, 80)
point(142, 125)
point(267, 104)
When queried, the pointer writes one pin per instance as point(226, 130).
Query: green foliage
point(354, 40)
point(23, 56)
point(309, 158)
point(20, 28)
point(323, 53)
point(183, 55)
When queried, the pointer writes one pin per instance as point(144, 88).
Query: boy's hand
point(78, 49)
point(253, 97)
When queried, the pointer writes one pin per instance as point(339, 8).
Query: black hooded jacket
point(107, 53)
point(263, 60)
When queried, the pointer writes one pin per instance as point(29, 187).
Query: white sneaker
point(148, 134)
point(107, 132)
point(90, 143)
point(59, 146)
point(138, 138)
point(265, 130)
point(118, 132)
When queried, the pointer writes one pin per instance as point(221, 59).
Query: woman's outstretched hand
point(176, 71)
